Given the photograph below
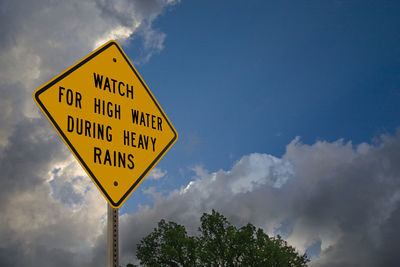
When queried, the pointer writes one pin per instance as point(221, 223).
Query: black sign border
point(68, 72)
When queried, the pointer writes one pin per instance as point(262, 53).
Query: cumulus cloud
point(38, 224)
point(42, 38)
point(341, 196)
point(345, 198)
point(156, 174)
point(51, 214)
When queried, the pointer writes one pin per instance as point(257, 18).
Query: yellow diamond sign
point(109, 119)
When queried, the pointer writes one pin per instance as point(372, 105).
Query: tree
point(168, 245)
point(219, 244)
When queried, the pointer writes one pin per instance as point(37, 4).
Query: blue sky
point(250, 76)
point(287, 114)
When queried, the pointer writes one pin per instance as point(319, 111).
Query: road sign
point(109, 119)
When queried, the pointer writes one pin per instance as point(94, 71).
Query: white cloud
point(156, 174)
point(259, 169)
point(51, 214)
point(119, 32)
point(343, 196)
point(51, 36)
point(36, 212)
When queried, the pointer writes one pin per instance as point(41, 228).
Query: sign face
point(109, 119)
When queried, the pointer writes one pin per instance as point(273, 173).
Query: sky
point(287, 114)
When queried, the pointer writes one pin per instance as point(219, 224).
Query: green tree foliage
point(168, 245)
point(218, 244)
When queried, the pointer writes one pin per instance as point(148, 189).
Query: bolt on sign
point(109, 119)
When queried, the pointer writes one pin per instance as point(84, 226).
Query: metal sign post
point(111, 122)
point(112, 236)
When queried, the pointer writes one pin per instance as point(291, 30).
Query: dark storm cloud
point(30, 150)
point(361, 199)
point(35, 228)
point(45, 219)
point(347, 198)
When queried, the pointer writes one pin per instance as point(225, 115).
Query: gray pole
point(112, 236)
